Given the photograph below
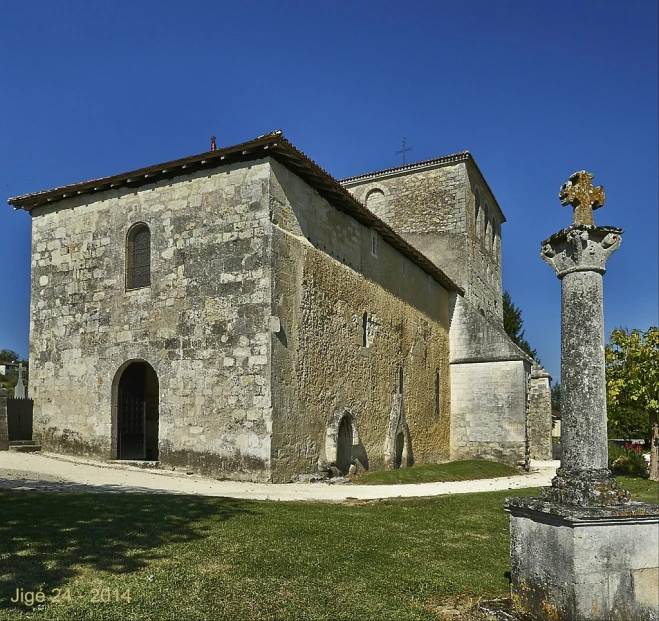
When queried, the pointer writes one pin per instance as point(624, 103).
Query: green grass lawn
point(643, 490)
point(191, 557)
point(452, 471)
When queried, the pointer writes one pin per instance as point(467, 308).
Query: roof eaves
point(273, 144)
point(462, 156)
point(145, 175)
point(342, 199)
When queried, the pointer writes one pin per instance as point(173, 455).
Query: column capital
point(581, 248)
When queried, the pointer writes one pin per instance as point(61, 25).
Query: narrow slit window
point(138, 257)
point(365, 330)
point(437, 410)
point(400, 380)
point(374, 244)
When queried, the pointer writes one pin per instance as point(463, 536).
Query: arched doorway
point(344, 442)
point(400, 445)
point(137, 412)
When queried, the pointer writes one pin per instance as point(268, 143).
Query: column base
point(585, 488)
point(584, 564)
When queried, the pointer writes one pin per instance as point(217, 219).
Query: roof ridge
point(453, 157)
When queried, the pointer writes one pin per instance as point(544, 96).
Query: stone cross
point(19, 391)
point(584, 198)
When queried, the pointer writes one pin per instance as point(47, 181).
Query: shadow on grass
point(46, 539)
point(23, 485)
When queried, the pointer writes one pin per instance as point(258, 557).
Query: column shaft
point(583, 383)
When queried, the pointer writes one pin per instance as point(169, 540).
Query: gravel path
point(57, 473)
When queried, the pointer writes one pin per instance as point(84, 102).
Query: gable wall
point(428, 209)
point(434, 210)
point(202, 324)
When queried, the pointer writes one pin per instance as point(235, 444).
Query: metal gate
point(19, 419)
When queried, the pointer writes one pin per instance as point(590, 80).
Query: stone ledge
point(575, 516)
point(563, 233)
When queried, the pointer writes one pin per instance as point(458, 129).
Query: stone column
point(578, 255)
point(583, 551)
point(4, 430)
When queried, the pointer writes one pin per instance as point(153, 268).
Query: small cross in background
point(404, 149)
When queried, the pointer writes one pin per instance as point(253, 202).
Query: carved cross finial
point(580, 193)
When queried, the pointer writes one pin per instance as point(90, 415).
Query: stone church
point(243, 314)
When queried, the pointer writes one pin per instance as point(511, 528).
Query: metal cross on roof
point(584, 198)
point(403, 150)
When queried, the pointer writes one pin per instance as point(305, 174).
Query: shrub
point(627, 459)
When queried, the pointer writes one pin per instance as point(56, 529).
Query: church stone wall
point(489, 411)
point(539, 422)
point(202, 324)
point(326, 277)
point(428, 208)
point(434, 208)
point(484, 238)
point(484, 360)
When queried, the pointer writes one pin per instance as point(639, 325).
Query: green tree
point(10, 380)
point(632, 383)
point(556, 396)
point(512, 324)
point(8, 355)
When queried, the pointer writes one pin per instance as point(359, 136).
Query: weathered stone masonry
point(285, 328)
point(327, 277)
point(446, 209)
point(202, 324)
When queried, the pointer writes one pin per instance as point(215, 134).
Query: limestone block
point(594, 564)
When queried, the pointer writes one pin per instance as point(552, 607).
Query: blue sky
point(535, 90)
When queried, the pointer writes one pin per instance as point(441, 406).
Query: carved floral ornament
point(581, 246)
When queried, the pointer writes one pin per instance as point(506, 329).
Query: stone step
point(22, 442)
point(137, 463)
point(24, 448)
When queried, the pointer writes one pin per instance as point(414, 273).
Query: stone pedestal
point(594, 564)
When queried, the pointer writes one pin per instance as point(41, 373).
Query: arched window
point(375, 202)
point(138, 257)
